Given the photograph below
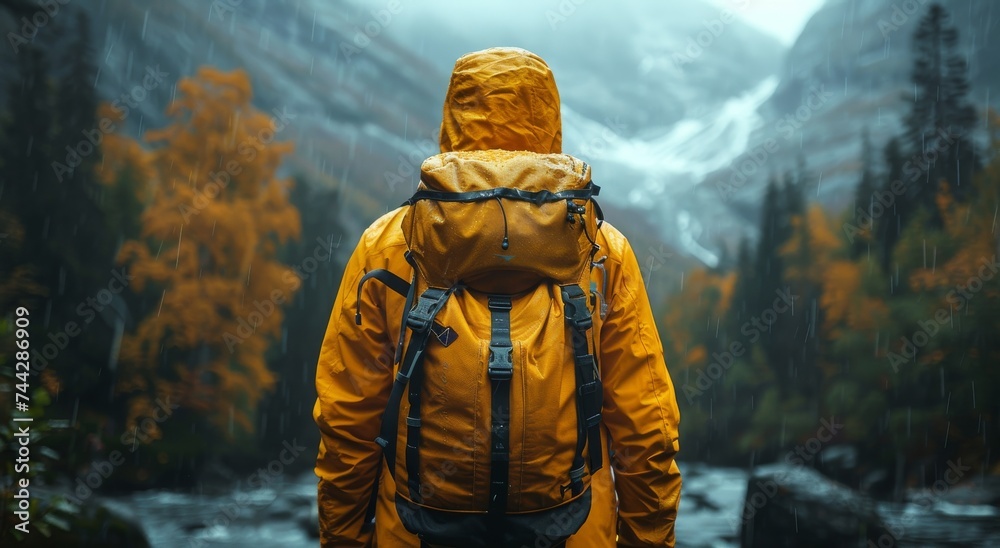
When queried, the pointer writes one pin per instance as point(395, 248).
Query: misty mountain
point(848, 70)
point(643, 102)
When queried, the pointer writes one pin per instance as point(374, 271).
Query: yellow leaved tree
point(206, 255)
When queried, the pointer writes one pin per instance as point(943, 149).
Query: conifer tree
point(940, 122)
point(863, 208)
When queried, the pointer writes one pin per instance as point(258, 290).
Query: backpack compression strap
point(537, 196)
point(419, 320)
point(500, 370)
point(590, 391)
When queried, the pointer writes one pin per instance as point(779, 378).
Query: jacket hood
point(501, 98)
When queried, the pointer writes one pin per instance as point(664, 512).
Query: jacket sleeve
point(640, 412)
point(353, 380)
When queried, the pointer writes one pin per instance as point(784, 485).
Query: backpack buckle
point(501, 364)
point(577, 313)
point(428, 305)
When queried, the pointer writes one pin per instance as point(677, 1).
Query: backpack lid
point(489, 213)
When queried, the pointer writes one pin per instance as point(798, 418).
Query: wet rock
point(310, 520)
point(797, 506)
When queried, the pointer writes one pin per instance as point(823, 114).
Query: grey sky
point(783, 19)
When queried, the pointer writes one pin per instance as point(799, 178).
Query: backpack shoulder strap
point(420, 320)
point(387, 277)
point(589, 389)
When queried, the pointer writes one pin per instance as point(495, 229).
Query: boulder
point(788, 505)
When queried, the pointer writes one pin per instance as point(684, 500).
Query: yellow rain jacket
point(501, 98)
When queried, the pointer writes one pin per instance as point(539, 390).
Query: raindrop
point(180, 237)
point(162, 296)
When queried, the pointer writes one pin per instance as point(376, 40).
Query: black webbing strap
point(407, 305)
point(392, 281)
point(538, 196)
point(500, 370)
point(419, 319)
point(369, 523)
point(590, 398)
point(413, 434)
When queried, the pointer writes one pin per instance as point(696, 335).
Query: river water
point(283, 514)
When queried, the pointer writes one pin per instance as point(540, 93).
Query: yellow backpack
point(496, 351)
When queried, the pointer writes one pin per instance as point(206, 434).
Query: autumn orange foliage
point(217, 215)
